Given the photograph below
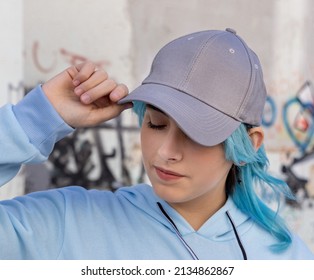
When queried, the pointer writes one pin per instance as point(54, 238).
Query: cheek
point(148, 144)
point(210, 165)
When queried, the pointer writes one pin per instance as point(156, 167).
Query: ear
point(257, 137)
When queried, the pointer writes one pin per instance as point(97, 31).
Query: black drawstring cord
point(194, 256)
point(237, 236)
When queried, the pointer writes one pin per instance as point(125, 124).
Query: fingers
point(119, 92)
point(90, 93)
point(92, 84)
point(95, 89)
point(106, 113)
point(99, 86)
point(82, 72)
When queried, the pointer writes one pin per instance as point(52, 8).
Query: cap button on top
point(231, 30)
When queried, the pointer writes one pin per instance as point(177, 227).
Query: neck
point(198, 211)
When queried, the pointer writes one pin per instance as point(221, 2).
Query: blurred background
point(41, 38)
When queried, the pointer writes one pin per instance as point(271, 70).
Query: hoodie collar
point(216, 227)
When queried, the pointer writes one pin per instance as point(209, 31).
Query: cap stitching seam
point(195, 59)
point(251, 82)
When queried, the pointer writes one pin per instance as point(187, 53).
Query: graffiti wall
point(123, 36)
point(290, 128)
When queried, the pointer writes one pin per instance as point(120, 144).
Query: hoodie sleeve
point(300, 250)
point(28, 132)
point(32, 226)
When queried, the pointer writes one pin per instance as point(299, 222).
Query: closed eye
point(154, 126)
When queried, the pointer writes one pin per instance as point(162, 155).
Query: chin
point(169, 195)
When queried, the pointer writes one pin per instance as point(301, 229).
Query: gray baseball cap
point(209, 82)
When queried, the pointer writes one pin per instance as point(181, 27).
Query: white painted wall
point(60, 33)
point(11, 50)
point(11, 69)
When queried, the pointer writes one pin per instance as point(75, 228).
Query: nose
point(171, 149)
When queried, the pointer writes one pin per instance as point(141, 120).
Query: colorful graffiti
point(301, 128)
point(270, 112)
point(298, 119)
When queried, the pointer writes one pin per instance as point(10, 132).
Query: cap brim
point(201, 122)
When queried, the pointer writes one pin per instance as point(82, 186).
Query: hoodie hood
point(216, 228)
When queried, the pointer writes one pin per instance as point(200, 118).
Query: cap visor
point(201, 122)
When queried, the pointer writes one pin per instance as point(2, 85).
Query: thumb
point(103, 114)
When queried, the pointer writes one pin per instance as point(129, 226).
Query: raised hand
point(85, 96)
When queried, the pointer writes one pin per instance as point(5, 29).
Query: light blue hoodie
point(132, 223)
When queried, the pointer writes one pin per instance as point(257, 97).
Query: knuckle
point(123, 88)
point(103, 73)
point(90, 64)
point(84, 76)
point(111, 83)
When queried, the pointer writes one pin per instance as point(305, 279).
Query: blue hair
point(248, 180)
point(252, 181)
point(139, 108)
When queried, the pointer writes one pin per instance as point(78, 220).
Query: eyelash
point(157, 127)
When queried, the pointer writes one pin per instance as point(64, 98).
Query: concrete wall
point(11, 51)
point(123, 36)
point(11, 68)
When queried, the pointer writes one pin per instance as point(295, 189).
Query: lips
point(167, 175)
